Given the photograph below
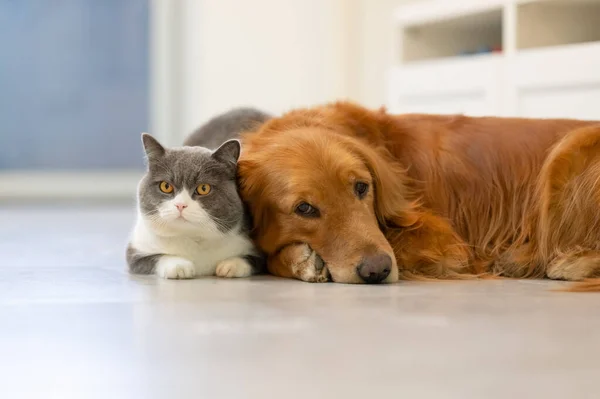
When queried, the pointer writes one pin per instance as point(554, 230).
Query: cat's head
point(190, 191)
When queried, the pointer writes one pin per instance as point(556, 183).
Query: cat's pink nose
point(180, 207)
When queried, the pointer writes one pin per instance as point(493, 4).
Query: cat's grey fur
point(209, 234)
point(227, 126)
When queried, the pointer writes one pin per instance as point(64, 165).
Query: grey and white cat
point(191, 220)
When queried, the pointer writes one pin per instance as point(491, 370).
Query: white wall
point(273, 54)
point(376, 49)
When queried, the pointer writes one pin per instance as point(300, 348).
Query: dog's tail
point(587, 285)
point(448, 276)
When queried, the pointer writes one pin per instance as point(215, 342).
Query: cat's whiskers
point(201, 218)
point(155, 219)
point(221, 222)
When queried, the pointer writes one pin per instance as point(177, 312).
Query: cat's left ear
point(152, 147)
point(228, 152)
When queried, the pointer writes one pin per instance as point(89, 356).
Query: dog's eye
point(361, 189)
point(307, 210)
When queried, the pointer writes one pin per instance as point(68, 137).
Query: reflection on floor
point(76, 325)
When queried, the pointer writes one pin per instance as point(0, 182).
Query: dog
point(346, 194)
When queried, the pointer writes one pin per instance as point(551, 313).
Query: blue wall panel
point(73, 83)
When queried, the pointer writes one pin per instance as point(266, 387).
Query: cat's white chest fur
point(204, 253)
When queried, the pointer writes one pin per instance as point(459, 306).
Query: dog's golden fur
point(451, 196)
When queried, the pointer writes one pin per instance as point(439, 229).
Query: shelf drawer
point(468, 85)
point(557, 82)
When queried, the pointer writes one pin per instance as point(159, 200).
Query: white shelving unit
point(532, 58)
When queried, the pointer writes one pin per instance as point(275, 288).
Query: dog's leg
point(575, 266)
point(430, 249)
point(299, 261)
point(518, 262)
point(569, 221)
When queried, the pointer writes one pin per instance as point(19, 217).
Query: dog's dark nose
point(375, 268)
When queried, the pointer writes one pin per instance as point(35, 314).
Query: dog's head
point(308, 177)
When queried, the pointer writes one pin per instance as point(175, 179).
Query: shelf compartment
point(557, 22)
point(461, 35)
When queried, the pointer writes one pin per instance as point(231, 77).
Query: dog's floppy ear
point(394, 202)
point(250, 178)
point(265, 230)
point(394, 205)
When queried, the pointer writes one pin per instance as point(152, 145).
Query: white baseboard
point(55, 185)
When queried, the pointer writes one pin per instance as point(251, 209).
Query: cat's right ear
point(152, 147)
point(228, 152)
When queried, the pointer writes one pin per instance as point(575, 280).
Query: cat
point(227, 126)
point(191, 221)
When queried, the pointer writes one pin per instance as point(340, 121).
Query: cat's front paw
point(234, 267)
point(174, 267)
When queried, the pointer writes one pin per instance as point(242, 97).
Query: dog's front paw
point(234, 267)
point(307, 265)
point(174, 267)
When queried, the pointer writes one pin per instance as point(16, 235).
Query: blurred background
point(81, 79)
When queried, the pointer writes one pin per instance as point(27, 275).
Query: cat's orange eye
point(203, 189)
point(165, 187)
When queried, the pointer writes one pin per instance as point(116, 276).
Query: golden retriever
point(346, 194)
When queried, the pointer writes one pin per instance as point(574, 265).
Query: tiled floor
point(73, 324)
